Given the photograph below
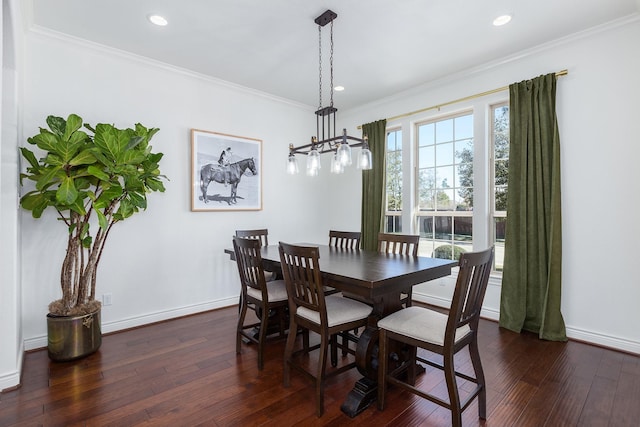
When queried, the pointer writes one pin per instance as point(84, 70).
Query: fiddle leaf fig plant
point(93, 179)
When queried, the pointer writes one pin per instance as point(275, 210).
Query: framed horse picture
point(225, 172)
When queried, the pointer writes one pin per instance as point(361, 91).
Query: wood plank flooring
point(185, 372)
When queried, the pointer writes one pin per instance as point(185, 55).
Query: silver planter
point(73, 337)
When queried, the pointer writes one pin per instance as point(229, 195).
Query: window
point(393, 203)
point(500, 168)
point(445, 186)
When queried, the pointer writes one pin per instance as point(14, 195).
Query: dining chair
point(267, 299)
point(261, 234)
point(344, 239)
point(444, 334)
point(405, 244)
point(311, 310)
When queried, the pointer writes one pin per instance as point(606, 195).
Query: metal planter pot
point(73, 337)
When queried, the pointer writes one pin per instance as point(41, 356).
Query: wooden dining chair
point(344, 239)
point(267, 299)
point(444, 334)
point(311, 310)
point(405, 244)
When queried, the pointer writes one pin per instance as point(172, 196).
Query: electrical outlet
point(106, 299)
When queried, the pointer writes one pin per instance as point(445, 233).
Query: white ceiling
point(381, 46)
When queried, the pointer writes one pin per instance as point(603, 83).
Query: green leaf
point(46, 141)
point(67, 192)
point(30, 157)
point(48, 178)
point(138, 200)
point(108, 196)
point(98, 173)
point(78, 206)
point(133, 142)
point(155, 185)
point(53, 160)
point(73, 124)
point(34, 201)
point(85, 157)
point(56, 124)
point(106, 140)
point(86, 242)
point(102, 219)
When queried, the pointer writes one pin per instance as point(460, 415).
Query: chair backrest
point(405, 244)
point(471, 286)
point(344, 239)
point(301, 272)
point(249, 263)
point(260, 234)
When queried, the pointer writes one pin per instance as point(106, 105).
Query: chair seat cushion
point(276, 291)
point(420, 323)
point(339, 310)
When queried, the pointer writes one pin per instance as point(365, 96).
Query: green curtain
point(531, 279)
point(372, 215)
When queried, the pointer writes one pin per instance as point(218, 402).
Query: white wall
point(599, 125)
point(10, 302)
point(166, 261)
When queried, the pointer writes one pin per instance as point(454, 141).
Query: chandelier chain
point(331, 61)
point(320, 65)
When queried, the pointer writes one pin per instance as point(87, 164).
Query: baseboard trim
point(11, 380)
point(575, 334)
point(145, 319)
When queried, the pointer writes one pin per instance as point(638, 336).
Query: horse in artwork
point(212, 172)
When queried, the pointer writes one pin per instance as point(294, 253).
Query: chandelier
point(325, 140)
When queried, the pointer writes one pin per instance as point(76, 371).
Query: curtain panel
point(531, 280)
point(373, 182)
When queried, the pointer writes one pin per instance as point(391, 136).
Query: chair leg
point(479, 372)
point(333, 343)
point(383, 366)
point(262, 338)
point(452, 387)
point(322, 363)
point(288, 351)
point(243, 312)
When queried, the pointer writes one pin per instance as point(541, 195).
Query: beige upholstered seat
point(310, 310)
point(444, 334)
point(267, 299)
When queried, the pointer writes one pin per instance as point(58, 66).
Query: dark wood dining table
point(379, 279)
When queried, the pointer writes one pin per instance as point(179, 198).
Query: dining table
point(377, 278)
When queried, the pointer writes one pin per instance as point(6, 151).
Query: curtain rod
point(466, 98)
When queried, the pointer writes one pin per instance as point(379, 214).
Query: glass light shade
point(336, 166)
point(365, 160)
point(344, 154)
point(292, 165)
point(313, 162)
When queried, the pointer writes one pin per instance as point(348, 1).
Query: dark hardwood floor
point(185, 372)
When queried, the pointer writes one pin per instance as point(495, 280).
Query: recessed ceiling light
point(501, 20)
point(158, 20)
point(338, 88)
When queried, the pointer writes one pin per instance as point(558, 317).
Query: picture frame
point(225, 172)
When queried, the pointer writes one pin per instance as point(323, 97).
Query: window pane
point(444, 131)
point(500, 225)
point(464, 127)
point(464, 199)
point(444, 154)
point(444, 177)
point(426, 134)
point(443, 227)
point(426, 157)
point(444, 200)
point(464, 151)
